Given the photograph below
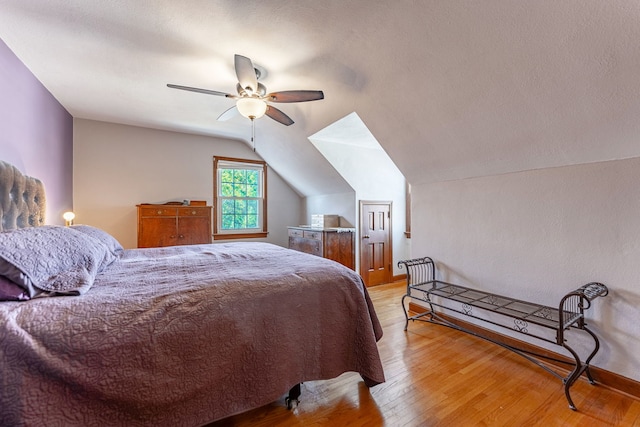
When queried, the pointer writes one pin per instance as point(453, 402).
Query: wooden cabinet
point(337, 244)
point(170, 225)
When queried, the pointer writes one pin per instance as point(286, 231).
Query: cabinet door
point(340, 247)
point(194, 230)
point(158, 231)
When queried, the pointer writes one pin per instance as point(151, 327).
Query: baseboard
point(603, 377)
point(399, 277)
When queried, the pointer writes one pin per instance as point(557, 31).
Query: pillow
point(9, 291)
point(51, 260)
point(105, 238)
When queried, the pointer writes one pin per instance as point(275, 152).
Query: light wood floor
point(440, 377)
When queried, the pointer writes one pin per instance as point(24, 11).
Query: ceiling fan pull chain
point(253, 134)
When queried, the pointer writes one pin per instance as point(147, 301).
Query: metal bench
point(505, 312)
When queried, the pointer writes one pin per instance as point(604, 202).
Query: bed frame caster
point(292, 400)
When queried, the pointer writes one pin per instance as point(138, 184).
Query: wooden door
point(375, 242)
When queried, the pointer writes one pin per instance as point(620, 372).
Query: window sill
point(231, 236)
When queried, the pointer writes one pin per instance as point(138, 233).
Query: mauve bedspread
point(182, 336)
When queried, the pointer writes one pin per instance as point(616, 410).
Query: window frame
point(218, 233)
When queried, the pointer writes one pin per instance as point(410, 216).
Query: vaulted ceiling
point(451, 89)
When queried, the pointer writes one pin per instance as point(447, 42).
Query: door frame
point(389, 269)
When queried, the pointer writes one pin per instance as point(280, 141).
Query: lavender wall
point(36, 133)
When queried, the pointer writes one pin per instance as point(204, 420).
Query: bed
point(182, 335)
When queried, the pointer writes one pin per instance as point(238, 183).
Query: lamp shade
point(251, 108)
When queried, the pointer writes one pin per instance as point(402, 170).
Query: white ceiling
point(451, 89)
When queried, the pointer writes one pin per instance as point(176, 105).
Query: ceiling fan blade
point(296, 96)
point(228, 114)
point(246, 73)
point(278, 116)
point(205, 91)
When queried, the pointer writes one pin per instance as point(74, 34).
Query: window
point(239, 198)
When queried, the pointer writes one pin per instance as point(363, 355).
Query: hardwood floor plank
point(437, 376)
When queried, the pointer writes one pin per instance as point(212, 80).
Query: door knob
point(365, 236)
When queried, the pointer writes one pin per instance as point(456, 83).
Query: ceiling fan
point(252, 98)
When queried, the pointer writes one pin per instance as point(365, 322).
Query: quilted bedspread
point(182, 336)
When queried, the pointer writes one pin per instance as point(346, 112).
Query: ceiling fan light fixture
point(252, 95)
point(251, 108)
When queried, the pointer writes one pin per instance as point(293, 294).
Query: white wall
point(375, 178)
point(358, 157)
point(539, 234)
point(341, 204)
point(118, 166)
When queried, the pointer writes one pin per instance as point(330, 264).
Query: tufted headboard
point(22, 199)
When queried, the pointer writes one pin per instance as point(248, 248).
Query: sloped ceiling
point(451, 89)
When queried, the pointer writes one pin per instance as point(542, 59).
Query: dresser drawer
point(157, 211)
point(193, 211)
point(309, 246)
point(313, 235)
point(294, 232)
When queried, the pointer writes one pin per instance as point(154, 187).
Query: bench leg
point(430, 312)
point(406, 314)
point(573, 376)
point(580, 367)
point(292, 398)
point(596, 347)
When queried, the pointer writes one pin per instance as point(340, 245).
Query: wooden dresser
point(170, 225)
point(337, 244)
